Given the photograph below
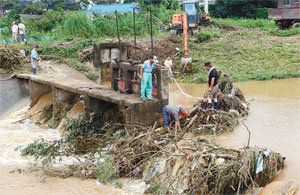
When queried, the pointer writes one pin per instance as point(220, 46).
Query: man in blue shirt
point(34, 58)
point(146, 77)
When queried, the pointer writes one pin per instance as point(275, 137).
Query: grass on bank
point(246, 54)
point(245, 48)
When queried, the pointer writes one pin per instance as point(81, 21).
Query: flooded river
point(274, 121)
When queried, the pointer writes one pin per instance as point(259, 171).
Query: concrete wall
point(36, 90)
point(106, 55)
point(62, 97)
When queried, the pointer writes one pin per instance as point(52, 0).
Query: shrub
point(35, 8)
point(241, 8)
point(78, 25)
point(206, 36)
point(262, 13)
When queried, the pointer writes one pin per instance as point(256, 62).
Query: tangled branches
point(9, 57)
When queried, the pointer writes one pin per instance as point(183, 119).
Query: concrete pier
point(132, 109)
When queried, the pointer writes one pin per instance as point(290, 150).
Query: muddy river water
point(274, 121)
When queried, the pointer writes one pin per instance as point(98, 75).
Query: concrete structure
point(131, 109)
point(107, 54)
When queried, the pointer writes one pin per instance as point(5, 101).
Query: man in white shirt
point(14, 30)
point(22, 31)
point(168, 65)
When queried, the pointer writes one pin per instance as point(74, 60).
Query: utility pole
point(206, 6)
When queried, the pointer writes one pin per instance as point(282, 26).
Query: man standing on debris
point(168, 65)
point(174, 112)
point(14, 30)
point(34, 58)
point(22, 31)
point(146, 78)
point(212, 86)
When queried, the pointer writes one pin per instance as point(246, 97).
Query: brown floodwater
point(274, 119)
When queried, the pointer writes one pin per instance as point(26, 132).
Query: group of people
point(172, 111)
point(20, 30)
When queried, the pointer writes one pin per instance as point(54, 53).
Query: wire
point(181, 90)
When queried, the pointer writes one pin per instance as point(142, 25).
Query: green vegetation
point(262, 13)
point(283, 33)
point(246, 55)
point(241, 8)
point(206, 36)
point(247, 23)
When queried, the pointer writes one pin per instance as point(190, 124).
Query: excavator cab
point(192, 10)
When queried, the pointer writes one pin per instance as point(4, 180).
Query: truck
point(287, 15)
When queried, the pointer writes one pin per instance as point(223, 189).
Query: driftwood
point(23, 119)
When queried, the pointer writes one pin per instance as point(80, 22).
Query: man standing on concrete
point(168, 65)
point(22, 31)
point(212, 86)
point(146, 78)
point(14, 30)
point(174, 112)
point(34, 58)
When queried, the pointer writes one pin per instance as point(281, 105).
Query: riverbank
point(246, 52)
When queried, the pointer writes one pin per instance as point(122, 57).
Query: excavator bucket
point(186, 63)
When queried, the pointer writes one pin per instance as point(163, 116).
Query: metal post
point(206, 6)
point(134, 31)
point(151, 29)
point(118, 31)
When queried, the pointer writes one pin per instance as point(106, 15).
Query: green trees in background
point(241, 8)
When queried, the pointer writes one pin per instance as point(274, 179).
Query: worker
point(14, 30)
point(174, 112)
point(168, 65)
point(212, 86)
point(146, 78)
point(22, 31)
point(34, 58)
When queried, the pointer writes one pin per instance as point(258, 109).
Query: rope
point(181, 90)
point(182, 71)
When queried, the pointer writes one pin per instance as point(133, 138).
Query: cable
point(181, 90)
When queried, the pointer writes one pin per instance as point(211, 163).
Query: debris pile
point(192, 166)
point(200, 167)
point(9, 57)
point(232, 105)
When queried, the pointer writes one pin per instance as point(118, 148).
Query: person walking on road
point(175, 112)
point(22, 31)
point(212, 86)
point(34, 58)
point(14, 30)
point(146, 78)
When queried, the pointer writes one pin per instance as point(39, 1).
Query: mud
point(161, 48)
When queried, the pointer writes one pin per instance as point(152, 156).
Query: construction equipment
point(191, 8)
point(186, 61)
